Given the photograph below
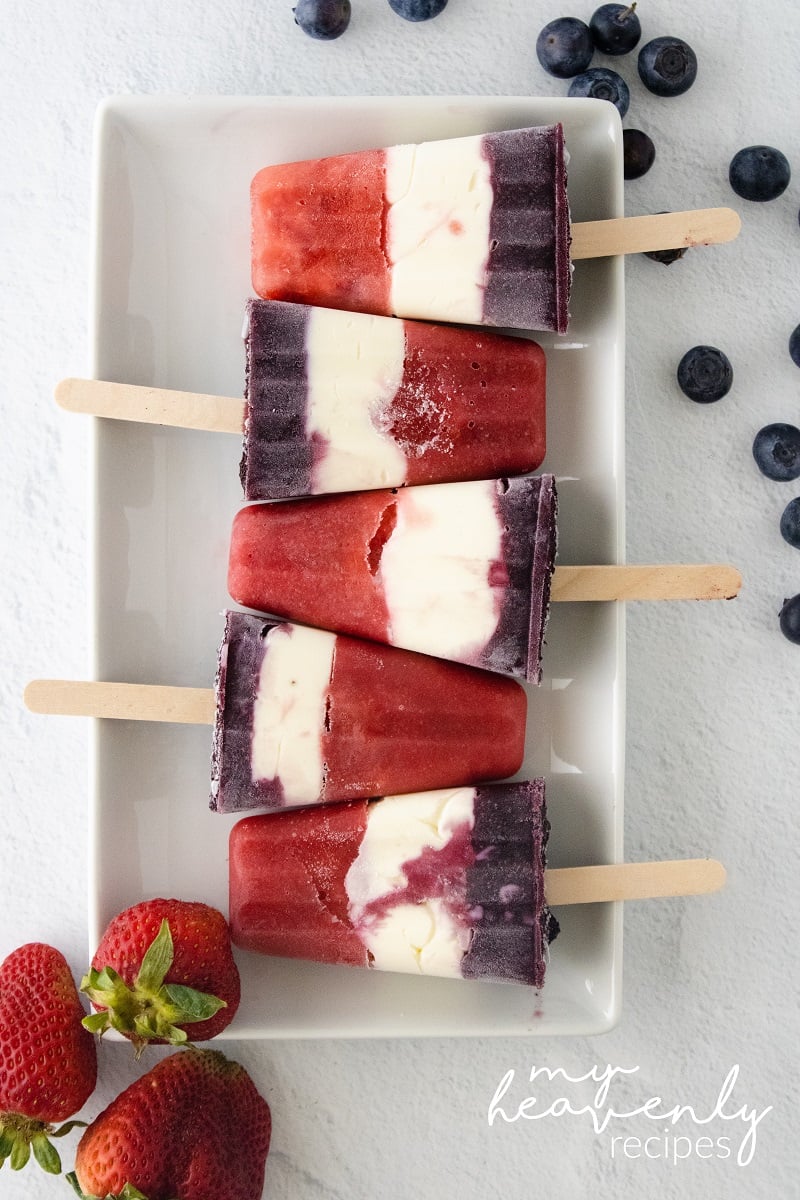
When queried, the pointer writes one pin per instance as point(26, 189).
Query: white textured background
point(713, 691)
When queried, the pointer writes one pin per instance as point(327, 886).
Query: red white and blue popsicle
point(474, 230)
point(458, 570)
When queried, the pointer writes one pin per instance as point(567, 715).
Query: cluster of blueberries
point(776, 450)
point(668, 67)
point(328, 19)
point(705, 375)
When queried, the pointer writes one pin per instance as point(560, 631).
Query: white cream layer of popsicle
point(354, 365)
point(289, 710)
point(413, 938)
point(440, 200)
point(443, 545)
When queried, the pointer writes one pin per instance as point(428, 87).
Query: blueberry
point(602, 84)
point(667, 257)
point(667, 66)
point(324, 19)
point(638, 153)
point(776, 450)
point(790, 523)
point(759, 173)
point(565, 47)
point(705, 374)
point(417, 10)
point(615, 28)
point(789, 618)
point(794, 346)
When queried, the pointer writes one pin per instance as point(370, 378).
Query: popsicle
point(305, 716)
point(473, 230)
point(338, 401)
point(460, 570)
point(447, 882)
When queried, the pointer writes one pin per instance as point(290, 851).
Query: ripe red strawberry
point(164, 972)
point(48, 1062)
point(192, 1128)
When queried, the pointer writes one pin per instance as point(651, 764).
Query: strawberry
point(48, 1062)
point(192, 1128)
point(164, 972)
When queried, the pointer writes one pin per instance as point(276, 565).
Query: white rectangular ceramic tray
point(170, 280)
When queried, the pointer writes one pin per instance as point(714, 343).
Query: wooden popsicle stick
point(151, 406)
point(121, 701)
point(633, 881)
point(679, 581)
point(656, 231)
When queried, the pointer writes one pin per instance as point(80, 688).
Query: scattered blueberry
point(638, 153)
point(417, 10)
point(759, 173)
point(324, 19)
point(615, 28)
point(667, 257)
point(789, 618)
point(790, 523)
point(565, 47)
point(602, 84)
point(705, 374)
point(776, 450)
point(794, 345)
point(667, 66)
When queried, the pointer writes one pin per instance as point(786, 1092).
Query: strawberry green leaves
point(152, 1009)
point(129, 1192)
point(161, 984)
point(20, 1136)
